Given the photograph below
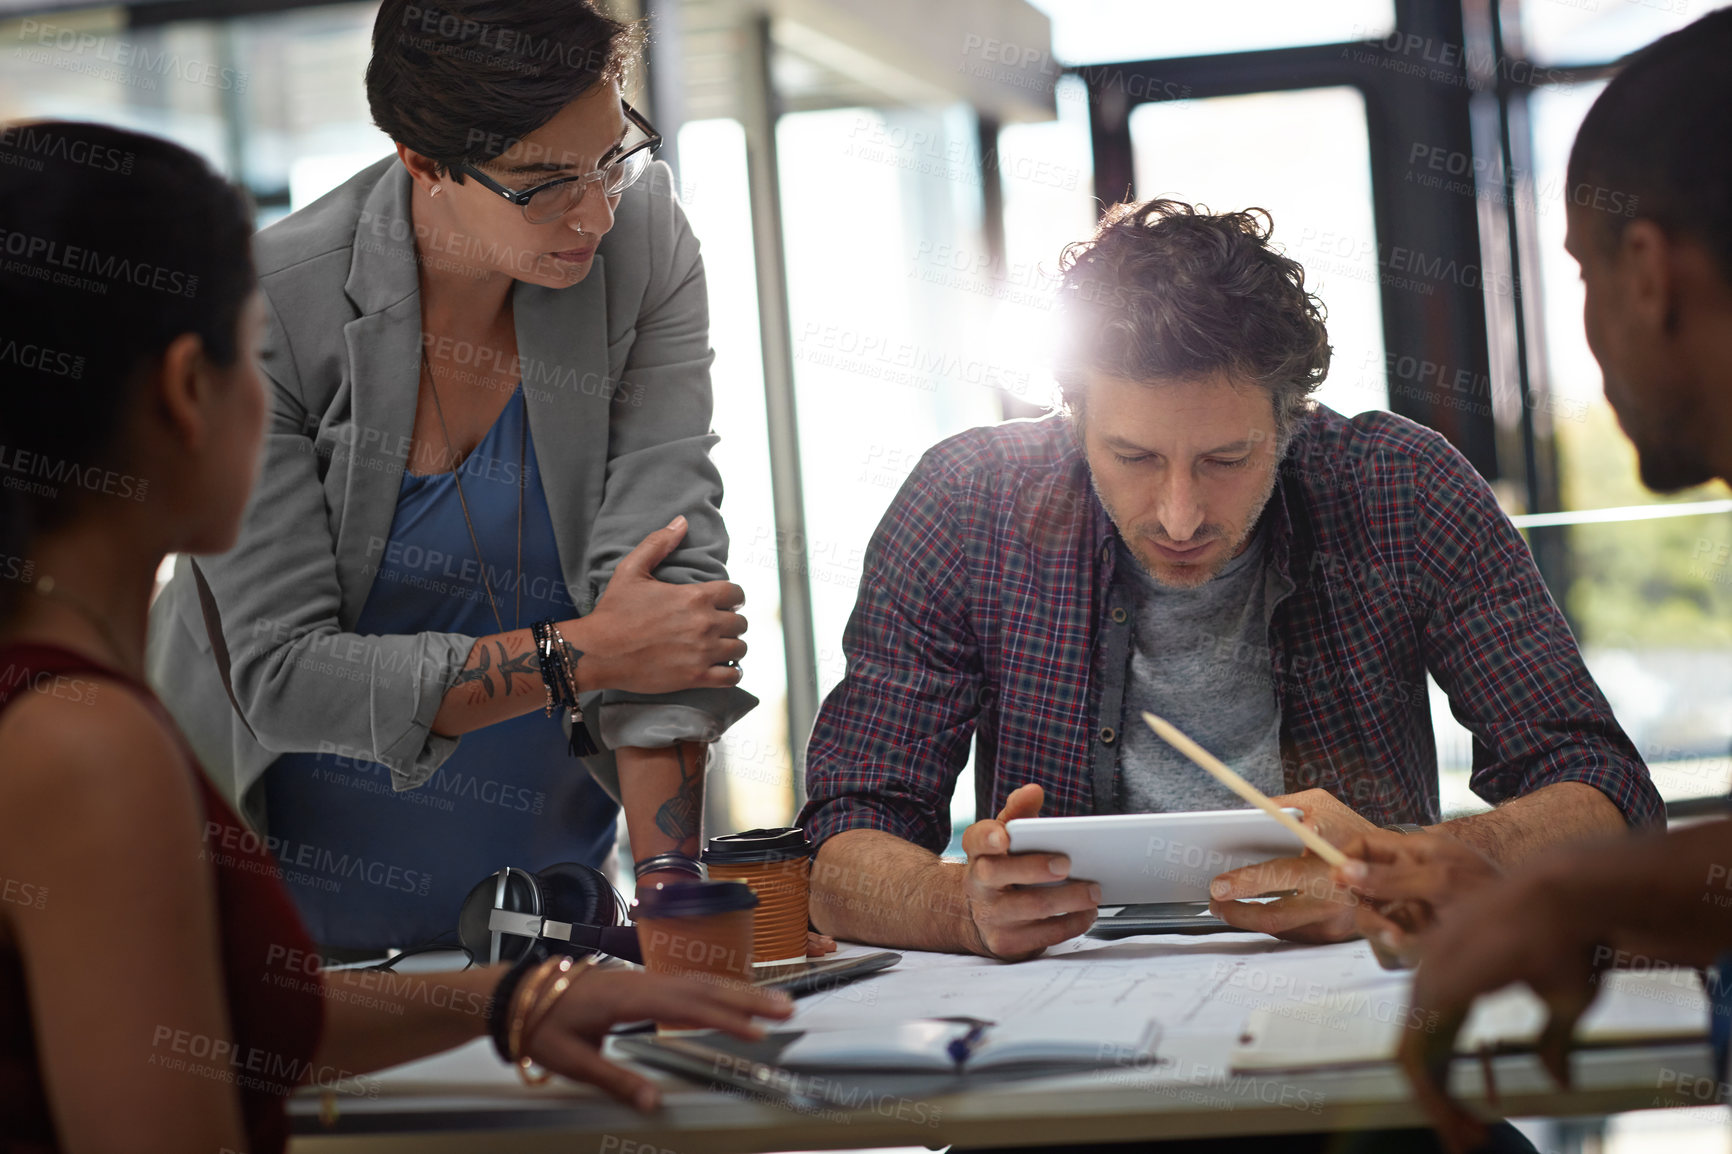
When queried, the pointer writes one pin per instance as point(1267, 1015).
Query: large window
point(752, 777)
point(274, 101)
point(1594, 31)
point(87, 64)
point(1304, 157)
point(914, 315)
point(1088, 31)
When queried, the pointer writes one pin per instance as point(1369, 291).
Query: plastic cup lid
point(694, 899)
point(758, 845)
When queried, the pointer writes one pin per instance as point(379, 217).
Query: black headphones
point(567, 908)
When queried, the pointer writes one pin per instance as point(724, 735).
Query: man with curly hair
point(1194, 536)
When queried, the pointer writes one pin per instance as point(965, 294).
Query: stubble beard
point(1171, 576)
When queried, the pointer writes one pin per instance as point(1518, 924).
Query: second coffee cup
point(698, 929)
point(776, 863)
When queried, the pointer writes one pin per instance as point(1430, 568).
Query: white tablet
point(1157, 857)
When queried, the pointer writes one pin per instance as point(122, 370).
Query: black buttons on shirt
point(1107, 735)
point(1118, 615)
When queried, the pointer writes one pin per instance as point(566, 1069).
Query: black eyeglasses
point(554, 199)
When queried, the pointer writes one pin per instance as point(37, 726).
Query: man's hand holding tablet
point(1015, 923)
point(1315, 908)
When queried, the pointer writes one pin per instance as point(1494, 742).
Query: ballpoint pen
point(959, 1049)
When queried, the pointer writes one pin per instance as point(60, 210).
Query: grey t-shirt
point(1200, 658)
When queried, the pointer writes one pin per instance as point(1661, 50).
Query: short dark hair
point(1657, 143)
point(112, 245)
point(461, 81)
point(1165, 289)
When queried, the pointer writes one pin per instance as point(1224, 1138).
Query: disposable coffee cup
point(699, 930)
point(776, 864)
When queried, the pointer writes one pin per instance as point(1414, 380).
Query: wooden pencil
point(1227, 777)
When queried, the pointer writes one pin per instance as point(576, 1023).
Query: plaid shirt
point(988, 610)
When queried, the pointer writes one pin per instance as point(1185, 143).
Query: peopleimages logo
point(73, 258)
point(29, 143)
point(107, 56)
point(24, 465)
point(41, 359)
point(293, 857)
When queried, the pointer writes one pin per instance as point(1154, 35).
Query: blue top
point(370, 867)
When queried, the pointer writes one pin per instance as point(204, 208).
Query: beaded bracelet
point(559, 677)
point(553, 677)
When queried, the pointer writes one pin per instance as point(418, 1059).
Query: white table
point(467, 1100)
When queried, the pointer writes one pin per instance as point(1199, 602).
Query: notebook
point(1080, 1038)
point(1364, 1025)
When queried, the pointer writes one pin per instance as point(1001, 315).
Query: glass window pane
point(891, 324)
point(1091, 31)
point(306, 126)
point(1600, 31)
point(1303, 156)
point(1651, 600)
point(753, 765)
point(887, 349)
point(1047, 173)
point(170, 80)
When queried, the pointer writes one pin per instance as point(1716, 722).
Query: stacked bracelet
point(559, 677)
point(681, 862)
point(540, 1005)
point(555, 672)
point(528, 993)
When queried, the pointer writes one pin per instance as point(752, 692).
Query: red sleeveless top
point(276, 1014)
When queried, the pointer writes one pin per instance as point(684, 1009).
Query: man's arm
point(1500, 649)
point(1553, 815)
point(872, 885)
point(1547, 751)
point(890, 739)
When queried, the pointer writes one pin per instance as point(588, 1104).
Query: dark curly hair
point(461, 81)
point(1164, 289)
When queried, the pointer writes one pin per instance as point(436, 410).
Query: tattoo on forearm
point(570, 654)
point(678, 815)
point(524, 663)
point(480, 676)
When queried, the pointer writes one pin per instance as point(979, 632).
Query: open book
point(1364, 1025)
point(1077, 1038)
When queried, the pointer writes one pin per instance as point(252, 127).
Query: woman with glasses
point(486, 536)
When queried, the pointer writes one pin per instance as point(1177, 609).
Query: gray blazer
point(617, 387)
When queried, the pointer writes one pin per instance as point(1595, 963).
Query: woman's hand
point(568, 1040)
point(651, 636)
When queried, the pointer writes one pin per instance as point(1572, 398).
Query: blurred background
point(883, 189)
